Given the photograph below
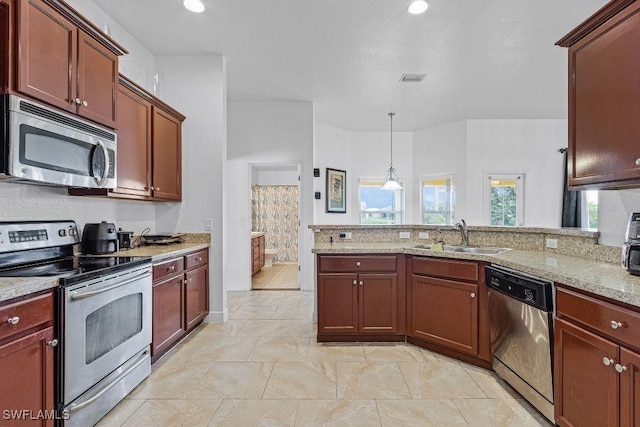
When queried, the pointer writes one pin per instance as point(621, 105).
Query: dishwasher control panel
point(528, 289)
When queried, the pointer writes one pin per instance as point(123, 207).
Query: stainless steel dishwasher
point(521, 328)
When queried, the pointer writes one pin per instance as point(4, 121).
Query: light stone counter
point(12, 287)
point(162, 252)
point(604, 279)
point(255, 234)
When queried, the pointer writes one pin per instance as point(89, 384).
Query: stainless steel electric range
point(103, 315)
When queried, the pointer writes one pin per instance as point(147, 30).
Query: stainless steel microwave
point(44, 145)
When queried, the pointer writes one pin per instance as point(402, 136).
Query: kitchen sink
point(480, 250)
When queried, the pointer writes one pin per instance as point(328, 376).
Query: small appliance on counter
point(99, 238)
point(162, 238)
point(631, 246)
point(125, 239)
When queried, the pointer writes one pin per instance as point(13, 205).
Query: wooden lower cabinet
point(596, 372)
point(180, 299)
point(360, 305)
point(257, 254)
point(27, 362)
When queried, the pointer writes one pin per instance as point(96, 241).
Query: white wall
point(528, 146)
point(614, 209)
point(442, 150)
point(277, 177)
point(196, 86)
point(262, 133)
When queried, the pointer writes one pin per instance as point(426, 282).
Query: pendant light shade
point(392, 177)
point(194, 5)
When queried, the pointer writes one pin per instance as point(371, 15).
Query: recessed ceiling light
point(417, 7)
point(194, 5)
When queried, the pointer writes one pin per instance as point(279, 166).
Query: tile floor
point(264, 368)
point(281, 275)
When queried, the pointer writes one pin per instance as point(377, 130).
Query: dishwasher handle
point(529, 290)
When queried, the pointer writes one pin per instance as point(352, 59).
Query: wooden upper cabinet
point(604, 98)
point(167, 156)
point(47, 55)
point(66, 62)
point(134, 143)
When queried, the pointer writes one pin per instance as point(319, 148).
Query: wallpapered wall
point(274, 211)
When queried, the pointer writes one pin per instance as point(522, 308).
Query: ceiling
point(484, 59)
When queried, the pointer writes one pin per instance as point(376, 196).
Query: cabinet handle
point(637, 162)
point(13, 320)
point(152, 188)
point(171, 268)
point(473, 294)
point(85, 104)
point(615, 325)
point(620, 368)
point(361, 283)
point(355, 282)
point(78, 101)
point(53, 343)
point(198, 259)
point(607, 362)
point(357, 263)
point(157, 188)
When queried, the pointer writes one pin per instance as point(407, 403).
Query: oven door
point(55, 148)
point(107, 321)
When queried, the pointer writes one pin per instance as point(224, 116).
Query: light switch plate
point(552, 243)
point(208, 224)
point(423, 235)
point(346, 235)
point(405, 234)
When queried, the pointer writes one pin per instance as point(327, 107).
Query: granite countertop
point(255, 234)
point(12, 287)
point(604, 279)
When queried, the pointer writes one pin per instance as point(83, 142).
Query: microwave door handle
point(105, 174)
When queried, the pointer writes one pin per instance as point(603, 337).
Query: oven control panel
point(17, 236)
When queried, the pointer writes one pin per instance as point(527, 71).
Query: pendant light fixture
point(194, 5)
point(392, 177)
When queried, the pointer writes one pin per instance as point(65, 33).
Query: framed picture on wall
point(336, 191)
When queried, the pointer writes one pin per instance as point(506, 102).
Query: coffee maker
point(631, 247)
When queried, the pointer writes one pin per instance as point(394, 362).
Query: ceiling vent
point(412, 78)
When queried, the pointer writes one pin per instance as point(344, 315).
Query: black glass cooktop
point(76, 268)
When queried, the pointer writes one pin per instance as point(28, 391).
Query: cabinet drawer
point(255, 241)
point(464, 270)
point(256, 252)
point(609, 319)
point(26, 315)
point(356, 263)
point(196, 259)
point(168, 268)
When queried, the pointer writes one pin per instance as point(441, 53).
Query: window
point(378, 206)
point(438, 199)
point(589, 208)
point(504, 198)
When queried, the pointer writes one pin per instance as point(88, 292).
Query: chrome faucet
point(464, 232)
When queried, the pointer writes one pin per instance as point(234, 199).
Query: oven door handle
point(76, 407)
point(82, 295)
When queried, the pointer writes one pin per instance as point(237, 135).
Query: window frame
point(584, 209)
point(520, 178)
point(449, 212)
point(399, 200)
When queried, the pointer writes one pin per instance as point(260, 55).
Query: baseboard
point(217, 316)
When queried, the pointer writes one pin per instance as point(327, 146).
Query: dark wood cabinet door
point(629, 388)
point(47, 55)
point(97, 81)
point(604, 103)
point(27, 379)
point(196, 296)
point(586, 390)
point(167, 156)
point(134, 143)
point(445, 312)
point(337, 304)
point(378, 303)
point(168, 313)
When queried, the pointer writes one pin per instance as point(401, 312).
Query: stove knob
point(62, 232)
point(72, 232)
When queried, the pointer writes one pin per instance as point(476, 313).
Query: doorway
point(275, 212)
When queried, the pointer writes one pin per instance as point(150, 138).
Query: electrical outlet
point(208, 224)
point(346, 235)
point(423, 235)
point(405, 235)
point(551, 262)
point(552, 243)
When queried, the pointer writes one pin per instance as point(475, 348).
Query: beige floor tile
point(237, 380)
point(393, 352)
point(371, 380)
point(333, 352)
point(227, 349)
point(337, 413)
point(281, 300)
point(265, 328)
point(171, 380)
point(238, 300)
point(280, 349)
point(302, 380)
point(170, 413)
point(303, 328)
point(293, 313)
point(255, 313)
point(255, 413)
point(120, 413)
point(496, 413)
point(228, 328)
point(413, 413)
point(439, 380)
point(282, 275)
point(490, 384)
